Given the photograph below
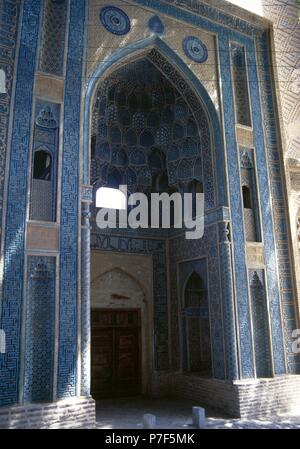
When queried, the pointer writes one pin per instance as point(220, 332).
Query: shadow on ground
point(127, 413)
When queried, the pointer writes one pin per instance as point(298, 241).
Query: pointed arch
point(122, 273)
point(196, 349)
point(189, 278)
point(188, 82)
point(117, 288)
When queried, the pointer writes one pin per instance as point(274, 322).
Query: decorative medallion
point(156, 25)
point(115, 20)
point(195, 49)
point(245, 160)
point(46, 118)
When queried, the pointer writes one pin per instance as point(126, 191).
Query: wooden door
point(115, 353)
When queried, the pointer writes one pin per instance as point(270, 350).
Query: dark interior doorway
point(115, 353)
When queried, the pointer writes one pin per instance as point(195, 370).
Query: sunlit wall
point(252, 5)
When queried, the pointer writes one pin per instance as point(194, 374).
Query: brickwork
point(208, 392)
point(242, 399)
point(265, 397)
point(66, 414)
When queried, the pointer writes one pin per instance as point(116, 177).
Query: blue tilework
point(40, 323)
point(67, 356)
point(115, 20)
point(279, 273)
point(16, 199)
point(260, 324)
point(9, 16)
point(195, 49)
point(246, 354)
point(266, 214)
point(182, 250)
point(156, 25)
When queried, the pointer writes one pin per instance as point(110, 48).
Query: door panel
point(115, 353)
point(102, 360)
point(127, 361)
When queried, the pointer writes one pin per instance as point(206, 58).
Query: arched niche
point(116, 288)
point(196, 347)
point(204, 116)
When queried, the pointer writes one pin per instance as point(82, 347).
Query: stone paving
point(127, 413)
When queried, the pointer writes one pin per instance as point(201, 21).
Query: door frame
point(107, 261)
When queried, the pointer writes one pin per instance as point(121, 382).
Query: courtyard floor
point(127, 413)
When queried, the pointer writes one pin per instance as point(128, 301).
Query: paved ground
point(177, 414)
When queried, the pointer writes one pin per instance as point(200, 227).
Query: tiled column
point(236, 207)
point(85, 300)
point(69, 230)
point(13, 268)
point(229, 308)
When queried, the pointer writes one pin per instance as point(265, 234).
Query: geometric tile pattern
point(182, 250)
point(260, 323)
point(228, 302)
point(260, 126)
point(236, 206)
point(287, 59)
point(69, 237)
point(241, 94)
point(40, 321)
point(278, 209)
point(249, 222)
point(9, 16)
point(16, 199)
point(142, 127)
point(264, 129)
point(51, 58)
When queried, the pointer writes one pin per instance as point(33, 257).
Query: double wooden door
point(115, 353)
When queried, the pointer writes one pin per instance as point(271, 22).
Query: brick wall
point(66, 414)
point(266, 397)
point(242, 399)
point(210, 393)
